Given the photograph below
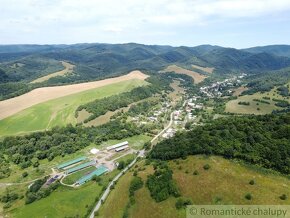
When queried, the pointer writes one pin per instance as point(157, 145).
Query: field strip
point(68, 69)
point(179, 70)
point(14, 105)
point(205, 69)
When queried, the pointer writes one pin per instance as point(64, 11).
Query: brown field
point(196, 76)
point(14, 105)
point(205, 69)
point(239, 90)
point(68, 69)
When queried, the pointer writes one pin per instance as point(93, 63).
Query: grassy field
point(233, 106)
point(64, 202)
point(205, 69)
point(226, 182)
point(60, 111)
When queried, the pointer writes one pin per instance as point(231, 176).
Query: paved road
point(141, 154)
point(107, 191)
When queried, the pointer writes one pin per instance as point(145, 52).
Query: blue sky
point(230, 23)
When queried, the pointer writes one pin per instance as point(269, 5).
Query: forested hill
point(262, 140)
point(22, 64)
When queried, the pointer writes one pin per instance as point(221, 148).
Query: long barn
point(109, 148)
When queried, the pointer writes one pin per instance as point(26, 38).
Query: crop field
point(205, 69)
point(60, 111)
point(179, 70)
point(226, 182)
point(14, 105)
point(239, 90)
point(68, 69)
point(255, 107)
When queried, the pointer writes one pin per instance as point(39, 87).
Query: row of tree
point(262, 140)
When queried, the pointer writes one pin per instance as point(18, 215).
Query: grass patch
point(71, 179)
point(227, 182)
point(256, 102)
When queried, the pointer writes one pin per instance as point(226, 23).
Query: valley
point(157, 138)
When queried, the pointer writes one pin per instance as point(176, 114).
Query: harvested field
point(68, 69)
point(205, 69)
point(179, 70)
point(14, 105)
point(239, 90)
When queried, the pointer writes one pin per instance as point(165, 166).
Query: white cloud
point(99, 17)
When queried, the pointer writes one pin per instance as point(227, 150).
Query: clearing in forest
point(68, 69)
point(205, 69)
point(179, 70)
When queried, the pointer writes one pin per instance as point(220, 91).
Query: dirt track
point(14, 105)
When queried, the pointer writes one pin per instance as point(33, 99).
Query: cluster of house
point(192, 104)
point(157, 113)
point(170, 132)
point(217, 89)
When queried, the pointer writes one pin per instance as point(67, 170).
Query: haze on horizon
point(230, 23)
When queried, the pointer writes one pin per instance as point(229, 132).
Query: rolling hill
point(94, 61)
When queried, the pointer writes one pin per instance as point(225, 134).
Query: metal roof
point(79, 167)
point(71, 162)
point(117, 145)
point(99, 171)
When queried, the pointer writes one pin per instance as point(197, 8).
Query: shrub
point(252, 182)
point(206, 167)
point(248, 196)
point(182, 203)
point(24, 174)
point(283, 197)
point(195, 172)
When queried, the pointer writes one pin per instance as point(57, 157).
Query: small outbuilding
point(94, 151)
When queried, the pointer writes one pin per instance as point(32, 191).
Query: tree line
point(262, 140)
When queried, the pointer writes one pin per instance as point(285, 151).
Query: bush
point(195, 172)
point(283, 197)
point(25, 174)
point(248, 196)
point(206, 167)
point(252, 182)
point(182, 203)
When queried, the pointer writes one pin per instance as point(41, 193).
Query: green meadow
point(60, 111)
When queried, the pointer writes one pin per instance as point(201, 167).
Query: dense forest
point(267, 81)
point(95, 61)
point(261, 140)
point(28, 150)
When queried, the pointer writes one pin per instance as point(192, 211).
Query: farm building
point(122, 148)
point(98, 172)
point(71, 162)
point(94, 151)
point(117, 145)
point(79, 167)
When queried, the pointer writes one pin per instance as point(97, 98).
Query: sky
point(229, 23)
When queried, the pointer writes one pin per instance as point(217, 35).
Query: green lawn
point(71, 179)
point(64, 202)
point(60, 111)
